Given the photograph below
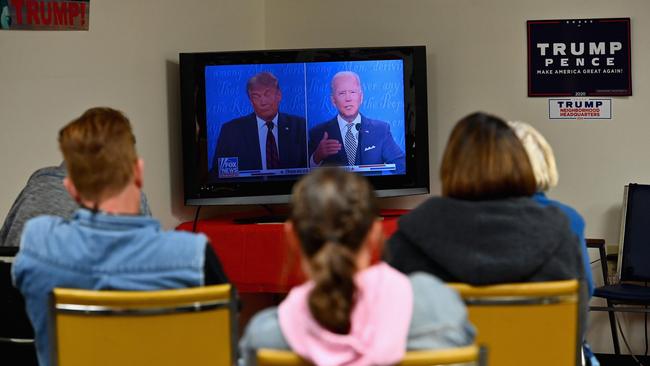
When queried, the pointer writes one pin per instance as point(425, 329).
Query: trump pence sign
point(579, 57)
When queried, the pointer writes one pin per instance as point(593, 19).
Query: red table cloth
point(257, 258)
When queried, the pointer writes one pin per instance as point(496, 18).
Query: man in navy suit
point(351, 138)
point(264, 139)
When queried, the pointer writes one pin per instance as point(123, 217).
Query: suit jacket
point(239, 138)
point(376, 144)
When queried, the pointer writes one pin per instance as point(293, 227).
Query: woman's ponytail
point(332, 298)
point(332, 212)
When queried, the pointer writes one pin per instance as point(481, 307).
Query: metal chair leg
point(612, 324)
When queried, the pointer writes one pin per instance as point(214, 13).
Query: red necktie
point(272, 159)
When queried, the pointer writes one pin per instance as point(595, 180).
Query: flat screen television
point(254, 122)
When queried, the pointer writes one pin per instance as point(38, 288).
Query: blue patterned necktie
point(350, 145)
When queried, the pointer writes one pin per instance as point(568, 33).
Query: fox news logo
point(228, 167)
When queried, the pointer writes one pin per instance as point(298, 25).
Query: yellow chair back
point(465, 355)
point(469, 355)
point(276, 357)
point(193, 326)
point(526, 323)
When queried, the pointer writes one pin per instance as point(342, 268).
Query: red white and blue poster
point(44, 14)
point(579, 57)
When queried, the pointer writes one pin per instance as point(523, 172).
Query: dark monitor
point(634, 250)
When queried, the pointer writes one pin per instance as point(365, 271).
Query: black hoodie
point(486, 242)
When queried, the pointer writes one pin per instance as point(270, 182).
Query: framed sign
point(579, 108)
point(44, 14)
point(579, 57)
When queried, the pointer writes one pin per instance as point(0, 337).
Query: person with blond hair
point(351, 311)
point(107, 244)
point(541, 157)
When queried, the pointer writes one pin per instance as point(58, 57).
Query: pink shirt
point(380, 322)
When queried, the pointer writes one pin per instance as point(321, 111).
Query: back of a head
point(485, 160)
point(99, 152)
point(539, 153)
point(332, 212)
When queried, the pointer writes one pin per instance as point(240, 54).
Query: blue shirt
point(100, 251)
point(577, 226)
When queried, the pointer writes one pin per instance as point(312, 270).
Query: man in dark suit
point(351, 138)
point(264, 139)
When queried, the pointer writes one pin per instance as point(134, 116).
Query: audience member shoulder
point(432, 208)
point(439, 216)
point(46, 181)
point(195, 242)
point(439, 206)
point(436, 296)
point(187, 235)
point(574, 216)
point(553, 214)
point(427, 206)
point(38, 229)
point(263, 331)
point(53, 171)
point(439, 315)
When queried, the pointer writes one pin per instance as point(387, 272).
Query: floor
point(621, 360)
point(17, 355)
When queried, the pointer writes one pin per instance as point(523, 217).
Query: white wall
point(127, 60)
point(477, 61)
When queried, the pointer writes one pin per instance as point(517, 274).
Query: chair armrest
point(600, 245)
point(595, 243)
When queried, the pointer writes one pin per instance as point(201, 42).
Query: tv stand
point(257, 258)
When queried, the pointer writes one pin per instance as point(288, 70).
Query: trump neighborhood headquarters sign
point(579, 57)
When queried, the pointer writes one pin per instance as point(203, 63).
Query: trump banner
point(579, 57)
point(44, 14)
point(579, 108)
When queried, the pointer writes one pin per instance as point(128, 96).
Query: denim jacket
point(100, 251)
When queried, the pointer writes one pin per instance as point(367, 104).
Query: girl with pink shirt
point(352, 312)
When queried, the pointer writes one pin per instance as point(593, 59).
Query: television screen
point(255, 121)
